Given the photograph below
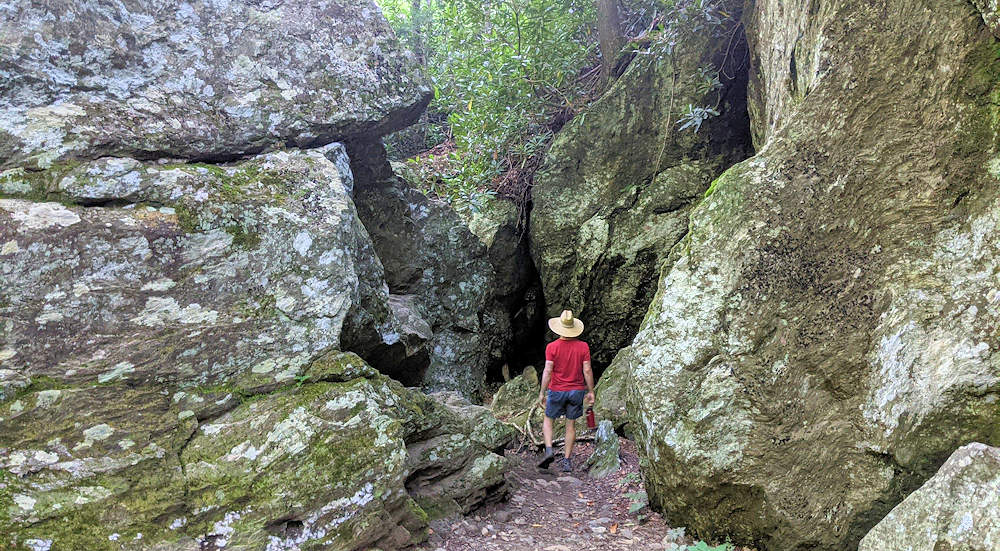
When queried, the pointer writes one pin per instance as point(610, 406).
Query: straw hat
point(566, 325)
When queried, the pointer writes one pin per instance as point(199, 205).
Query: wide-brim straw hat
point(566, 325)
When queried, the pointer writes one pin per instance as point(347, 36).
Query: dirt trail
point(554, 511)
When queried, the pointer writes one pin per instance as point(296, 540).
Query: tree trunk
point(609, 34)
point(417, 24)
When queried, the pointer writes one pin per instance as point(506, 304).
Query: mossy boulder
point(210, 81)
point(956, 509)
point(476, 421)
point(610, 392)
point(335, 461)
point(515, 398)
point(826, 336)
point(605, 460)
point(92, 467)
point(616, 187)
point(122, 271)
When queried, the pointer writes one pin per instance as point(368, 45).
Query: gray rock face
point(199, 273)
point(958, 509)
point(827, 334)
point(604, 461)
point(336, 460)
point(477, 292)
point(430, 254)
point(991, 14)
point(198, 79)
point(614, 193)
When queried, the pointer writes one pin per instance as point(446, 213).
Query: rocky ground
point(552, 511)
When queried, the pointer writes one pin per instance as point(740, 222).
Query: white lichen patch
point(46, 398)
point(289, 436)
point(178, 523)
point(39, 216)
point(45, 458)
point(162, 284)
point(49, 317)
point(119, 370)
point(7, 353)
point(35, 544)
point(212, 429)
point(223, 529)
point(302, 243)
point(243, 450)
point(10, 247)
point(160, 311)
point(26, 503)
point(95, 433)
point(88, 494)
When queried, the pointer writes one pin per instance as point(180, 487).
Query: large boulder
point(616, 187)
point(147, 272)
point(516, 290)
point(197, 80)
point(958, 509)
point(329, 460)
point(468, 275)
point(827, 334)
point(430, 254)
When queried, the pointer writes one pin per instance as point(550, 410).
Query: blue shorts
point(568, 403)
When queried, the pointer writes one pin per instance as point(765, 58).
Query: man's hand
point(541, 399)
point(589, 399)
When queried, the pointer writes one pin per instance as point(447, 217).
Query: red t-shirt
point(567, 357)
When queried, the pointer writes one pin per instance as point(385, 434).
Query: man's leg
point(570, 437)
point(554, 407)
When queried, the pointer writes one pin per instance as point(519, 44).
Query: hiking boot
point(546, 460)
point(567, 465)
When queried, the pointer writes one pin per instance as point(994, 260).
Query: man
point(567, 382)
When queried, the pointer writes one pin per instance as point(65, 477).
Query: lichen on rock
point(956, 509)
point(334, 460)
point(823, 340)
point(618, 182)
point(197, 80)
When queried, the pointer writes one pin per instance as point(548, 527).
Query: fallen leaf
point(580, 494)
point(613, 528)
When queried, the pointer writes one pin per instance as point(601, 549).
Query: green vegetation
point(507, 75)
point(502, 73)
point(702, 546)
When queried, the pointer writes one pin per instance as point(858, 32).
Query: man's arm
point(588, 375)
point(546, 377)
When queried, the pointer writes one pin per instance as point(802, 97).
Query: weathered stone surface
point(429, 253)
point(616, 187)
point(197, 80)
point(958, 509)
point(604, 461)
point(162, 273)
point(76, 461)
point(513, 401)
point(516, 288)
point(827, 334)
point(326, 460)
point(610, 392)
point(477, 421)
point(991, 14)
